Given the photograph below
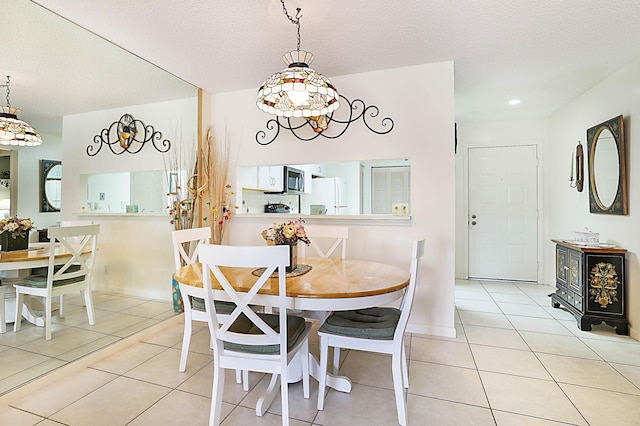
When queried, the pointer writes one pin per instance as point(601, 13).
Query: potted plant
point(289, 233)
point(14, 233)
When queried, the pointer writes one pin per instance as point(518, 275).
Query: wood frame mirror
point(607, 167)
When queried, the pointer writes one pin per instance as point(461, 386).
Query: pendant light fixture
point(14, 131)
point(298, 91)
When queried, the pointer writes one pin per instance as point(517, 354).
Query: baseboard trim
point(432, 330)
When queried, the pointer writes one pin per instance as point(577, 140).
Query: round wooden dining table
point(329, 285)
point(36, 256)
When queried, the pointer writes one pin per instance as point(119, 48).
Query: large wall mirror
point(607, 167)
point(57, 69)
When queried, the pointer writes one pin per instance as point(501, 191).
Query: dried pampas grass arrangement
point(182, 182)
point(217, 198)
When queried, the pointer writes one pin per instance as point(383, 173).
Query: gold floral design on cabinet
point(603, 284)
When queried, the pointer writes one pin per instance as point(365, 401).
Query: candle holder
point(577, 167)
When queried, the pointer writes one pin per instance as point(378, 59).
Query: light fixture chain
point(295, 21)
point(8, 92)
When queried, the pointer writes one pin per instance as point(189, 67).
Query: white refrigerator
point(330, 192)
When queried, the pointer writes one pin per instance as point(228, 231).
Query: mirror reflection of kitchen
point(381, 187)
point(125, 192)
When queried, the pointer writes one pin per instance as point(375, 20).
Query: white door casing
point(503, 213)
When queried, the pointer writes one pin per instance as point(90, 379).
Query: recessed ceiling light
point(514, 101)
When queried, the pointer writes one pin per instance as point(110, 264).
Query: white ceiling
point(543, 52)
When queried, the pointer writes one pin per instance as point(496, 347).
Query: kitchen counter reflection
point(323, 218)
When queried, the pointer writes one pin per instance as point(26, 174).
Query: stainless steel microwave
point(293, 180)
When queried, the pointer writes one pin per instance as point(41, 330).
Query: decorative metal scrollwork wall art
point(307, 130)
point(128, 135)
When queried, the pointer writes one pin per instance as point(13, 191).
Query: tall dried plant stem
point(215, 164)
point(181, 170)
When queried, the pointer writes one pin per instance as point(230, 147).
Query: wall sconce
point(125, 133)
point(577, 167)
point(356, 110)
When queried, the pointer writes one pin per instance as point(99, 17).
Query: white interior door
point(503, 213)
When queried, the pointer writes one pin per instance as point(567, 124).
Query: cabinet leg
point(584, 324)
point(622, 329)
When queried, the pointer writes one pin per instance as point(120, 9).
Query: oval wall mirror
point(50, 185)
point(607, 171)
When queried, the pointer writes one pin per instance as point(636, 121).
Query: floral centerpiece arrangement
point(286, 232)
point(16, 227)
point(14, 233)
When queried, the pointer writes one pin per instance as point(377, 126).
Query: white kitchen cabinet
point(271, 178)
point(317, 170)
point(249, 177)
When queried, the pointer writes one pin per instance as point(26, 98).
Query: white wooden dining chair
point(57, 280)
point(326, 239)
point(186, 248)
point(251, 340)
point(379, 330)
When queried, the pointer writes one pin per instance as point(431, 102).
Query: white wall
point(567, 210)
point(420, 101)
point(495, 133)
point(135, 255)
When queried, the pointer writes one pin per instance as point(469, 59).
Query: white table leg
point(339, 383)
point(10, 305)
point(265, 401)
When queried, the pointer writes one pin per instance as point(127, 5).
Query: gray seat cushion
point(370, 323)
point(243, 325)
point(38, 277)
point(222, 307)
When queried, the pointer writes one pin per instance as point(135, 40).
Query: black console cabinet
point(591, 284)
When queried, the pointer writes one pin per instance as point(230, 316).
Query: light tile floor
point(515, 361)
point(26, 355)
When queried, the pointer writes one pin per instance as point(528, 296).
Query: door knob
point(473, 216)
point(473, 222)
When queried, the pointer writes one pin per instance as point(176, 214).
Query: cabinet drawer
point(577, 302)
point(571, 298)
point(561, 291)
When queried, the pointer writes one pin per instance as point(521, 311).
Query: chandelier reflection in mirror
point(300, 92)
point(14, 131)
point(128, 135)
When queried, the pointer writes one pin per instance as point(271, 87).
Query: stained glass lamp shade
point(14, 131)
point(297, 91)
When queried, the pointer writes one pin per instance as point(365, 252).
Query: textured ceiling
point(544, 52)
